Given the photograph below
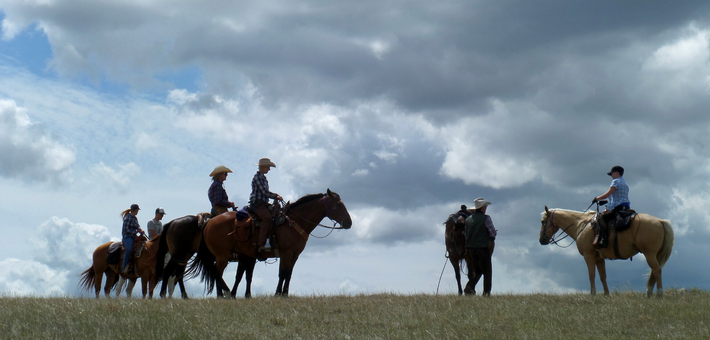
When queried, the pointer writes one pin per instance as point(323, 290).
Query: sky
point(405, 109)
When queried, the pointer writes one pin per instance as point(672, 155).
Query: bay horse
point(303, 216)
point(143, 267)
point(455, 240)
point(181, 237)
point(648, 234)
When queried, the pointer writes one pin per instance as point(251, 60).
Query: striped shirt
point(260, 189)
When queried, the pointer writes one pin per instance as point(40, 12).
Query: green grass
point(628, 315)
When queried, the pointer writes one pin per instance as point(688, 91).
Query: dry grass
point(682, 315)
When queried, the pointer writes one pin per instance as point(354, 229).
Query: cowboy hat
point(219, 169)
point(479, 203)
point(266, 162)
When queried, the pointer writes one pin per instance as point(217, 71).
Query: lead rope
point(446, 257)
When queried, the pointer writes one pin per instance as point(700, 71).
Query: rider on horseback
point(259, 201)
point(618, 195)
point(217, 195)
point(131, 227)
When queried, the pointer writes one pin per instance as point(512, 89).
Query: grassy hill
point(628, 315)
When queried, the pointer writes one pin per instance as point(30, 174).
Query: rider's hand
point(278, 197)
point(595, 200)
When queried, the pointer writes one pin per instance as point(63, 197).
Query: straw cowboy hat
point(266, 162)
point(219, 169)
point(479, 203)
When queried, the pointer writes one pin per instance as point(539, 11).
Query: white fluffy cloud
point(63, 250)
point(28, 150)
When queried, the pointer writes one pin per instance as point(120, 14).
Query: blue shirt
point(621, 195)
point(217, 194)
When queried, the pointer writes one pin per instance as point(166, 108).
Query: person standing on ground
point(480, 242)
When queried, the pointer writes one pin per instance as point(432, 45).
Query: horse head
point(548, 229)
point(336, 210)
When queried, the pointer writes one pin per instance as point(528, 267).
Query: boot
point(597, 241)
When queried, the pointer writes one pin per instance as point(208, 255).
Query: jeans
point(128, 246)
point(481, 258)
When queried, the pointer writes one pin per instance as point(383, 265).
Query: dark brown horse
point(143, 267)
point(291, 237)
point(456, 247)
point(181, 237)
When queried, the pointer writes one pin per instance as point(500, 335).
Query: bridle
point(327, 212)
point(551, 224)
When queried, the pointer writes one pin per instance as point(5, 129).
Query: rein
point(564, 231)
point(327, 210)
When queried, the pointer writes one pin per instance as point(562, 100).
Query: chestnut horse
point(181, 238)
point(143, 266)
point(649, 235)
point(455, 240)
point(303, 216)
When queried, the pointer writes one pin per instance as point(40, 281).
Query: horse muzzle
point(544, 240)
point(347, 223)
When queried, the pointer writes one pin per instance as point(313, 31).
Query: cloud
point(119, 179)
point(29, 151)
point(62, 249)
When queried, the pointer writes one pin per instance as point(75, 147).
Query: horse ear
point(547, 211)
point(329, 192)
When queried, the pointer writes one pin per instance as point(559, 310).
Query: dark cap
point(160, 211)
point(135, 207)
point(618, 169)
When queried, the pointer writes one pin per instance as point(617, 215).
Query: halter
point(564, 231)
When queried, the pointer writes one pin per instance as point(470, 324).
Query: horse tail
point(88, 278)
point(668, 240)
point(162, 250)
point(203, 265)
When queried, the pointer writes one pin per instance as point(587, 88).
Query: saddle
point(116, 249)
point(619, 222)
point(247, 222)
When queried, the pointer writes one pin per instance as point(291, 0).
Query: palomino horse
point(304, 215)
point(649, 235)
point(456, 248)
point(143, 266)
point(181, 237)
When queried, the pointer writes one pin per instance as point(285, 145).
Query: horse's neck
point(309, 215)
point(571, 222)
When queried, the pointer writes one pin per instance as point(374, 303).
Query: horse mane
point(306, 199)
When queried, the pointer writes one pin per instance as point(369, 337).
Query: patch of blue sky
point(30, 50)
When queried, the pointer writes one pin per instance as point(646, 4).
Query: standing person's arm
point(492, 232)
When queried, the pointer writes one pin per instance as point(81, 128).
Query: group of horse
point(649, 235)
point(208, 249)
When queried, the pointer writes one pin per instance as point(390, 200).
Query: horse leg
point(287, 278)
point(179, 273)
point(167, 272)
point(250, 272)
point(144, 285)
point(129, 287)
point(238, 278)
point(171, 286)
point(457, 272)
point(119, 286)
point(182, 287)
point(97, 282)
point(654, 277)
point(601, 267)
point(222, 286)
point(590, 258)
